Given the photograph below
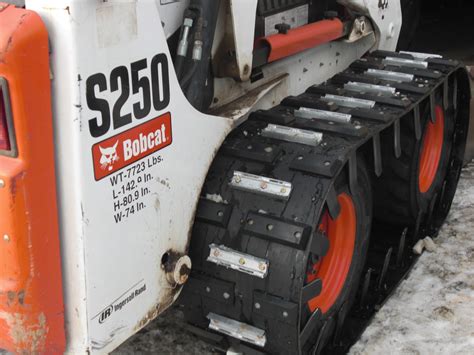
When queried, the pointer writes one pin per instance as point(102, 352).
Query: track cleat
point(294, 135)
point(261, 185)
point(401, 62)
point(369, 88)
point(238, 330)
point(348, 101)
point(422, 56)
point(235, 260)
point(312, 113)
point(390, 75)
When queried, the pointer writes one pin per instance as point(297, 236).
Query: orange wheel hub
point(333, 268)
point(431, 149)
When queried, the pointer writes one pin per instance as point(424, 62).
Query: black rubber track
point(246, 228)
point(399, 200)
point(283, 231)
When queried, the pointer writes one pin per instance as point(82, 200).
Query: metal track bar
point(238, 330)
point(229, 258)
point(421, 56)
point(405, 62)
point(330, 116)
point(291, 134)
point(390, 75)
point(261, 184)
point(371, 88)
point(349, 101)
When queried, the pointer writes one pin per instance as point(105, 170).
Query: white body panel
point(171, 14)
point(103, 261)
point(243, 23)
point(386, 16)
point(113, 280)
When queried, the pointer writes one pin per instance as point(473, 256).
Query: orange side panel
point(31, 304)
point(304, 37)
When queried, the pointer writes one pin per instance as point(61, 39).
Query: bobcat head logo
point(109, 157)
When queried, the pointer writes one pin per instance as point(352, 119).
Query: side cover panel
point(132, 157)
point(31, 305)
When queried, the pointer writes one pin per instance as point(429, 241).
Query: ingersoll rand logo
point(106, 313)
point(121, 302)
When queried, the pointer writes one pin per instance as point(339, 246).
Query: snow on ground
point(432, 312)
point(165, 336)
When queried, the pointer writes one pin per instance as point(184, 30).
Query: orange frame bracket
point(31, 301)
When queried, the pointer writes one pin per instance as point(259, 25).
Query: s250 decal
point(148, 83)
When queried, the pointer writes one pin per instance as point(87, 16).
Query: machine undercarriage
point(284, 145)
point(258, 249)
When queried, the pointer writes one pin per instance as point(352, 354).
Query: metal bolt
point(283, 190)
point(298, 235)
point(250, 221)
point(300, 157)
point(2, 183)
point(269, 227)
point(269, 149)
point(263, 185)
point(358, 127)
point(257, 305)
point(242, 261)
point(327, 163)
point(262, 266)
point(249, 147)
point(237, 179)
point(220, 213)
point(6, 237)
point(208, 289)
point(226, 295)
point(216, 253)
point(285, 314)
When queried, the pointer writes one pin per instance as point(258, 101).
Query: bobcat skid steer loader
point(238, 150)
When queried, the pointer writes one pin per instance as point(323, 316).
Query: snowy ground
point(432, 312)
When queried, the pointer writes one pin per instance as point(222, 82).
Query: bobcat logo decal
point(115, 153)
point(109, 157)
